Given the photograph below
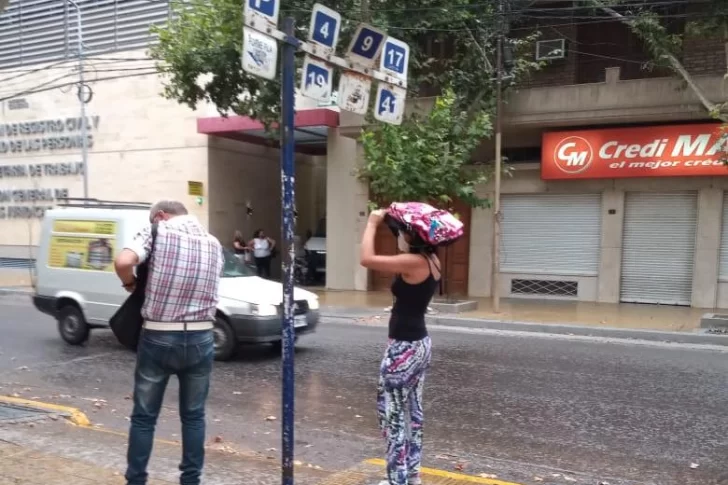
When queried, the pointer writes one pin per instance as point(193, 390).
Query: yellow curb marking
point(445, 474)
point(76, 416)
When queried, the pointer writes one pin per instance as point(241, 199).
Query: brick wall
point(585, 63)
point(557, 72)
point(704, 56)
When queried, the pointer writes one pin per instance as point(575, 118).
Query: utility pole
point(495, 287)
point(81, 93)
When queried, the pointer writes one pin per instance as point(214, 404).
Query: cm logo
point(573, 155)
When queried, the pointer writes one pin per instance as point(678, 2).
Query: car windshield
point(233, 267)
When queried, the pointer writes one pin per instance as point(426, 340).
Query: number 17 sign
point(395, 59)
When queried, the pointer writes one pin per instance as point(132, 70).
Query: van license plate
point(300, 321)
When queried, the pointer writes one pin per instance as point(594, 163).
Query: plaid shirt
point(184, 271)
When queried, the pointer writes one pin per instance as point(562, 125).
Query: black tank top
point(407, 321)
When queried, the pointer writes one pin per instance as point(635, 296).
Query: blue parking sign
point(366, 44)
point(325, 26)
point(395, 58)
point(267, 9)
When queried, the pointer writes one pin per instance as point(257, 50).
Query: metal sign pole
point(259, 58)
point(288, 143)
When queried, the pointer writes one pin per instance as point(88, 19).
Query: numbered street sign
point(260, 54)
point(325, 27)
point(317, 80)
point(366, 45)
point(389, 107)
point(395, 59)
point(354, 92)
point(266, 9)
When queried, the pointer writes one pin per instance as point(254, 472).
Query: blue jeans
point(160, 355)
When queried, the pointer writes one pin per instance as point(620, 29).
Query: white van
point(77, 285)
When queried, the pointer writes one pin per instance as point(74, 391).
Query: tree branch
point(677, 66)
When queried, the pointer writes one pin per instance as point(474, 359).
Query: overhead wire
point(586, 20)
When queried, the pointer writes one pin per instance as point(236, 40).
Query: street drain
point(10, 413)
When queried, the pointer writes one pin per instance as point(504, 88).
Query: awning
point(311, 129)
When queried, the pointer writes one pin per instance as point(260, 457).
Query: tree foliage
point(426, 158)
point(452, 45)
point(645, 19)
point(199, 51)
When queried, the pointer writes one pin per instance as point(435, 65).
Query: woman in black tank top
point(408, 354)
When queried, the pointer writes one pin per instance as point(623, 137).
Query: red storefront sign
point(655, 151)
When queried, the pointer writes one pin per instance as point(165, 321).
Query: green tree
point(427, 158)
point(199, 51)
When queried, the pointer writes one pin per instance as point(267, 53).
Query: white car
point(76, 283)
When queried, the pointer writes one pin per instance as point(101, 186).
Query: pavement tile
point(55, 452)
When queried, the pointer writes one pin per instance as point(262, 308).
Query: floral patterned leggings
point(399, 407)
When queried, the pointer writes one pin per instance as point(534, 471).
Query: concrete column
point(481, 252)
point(707, 248)
point(610, 266)
point(346, 214)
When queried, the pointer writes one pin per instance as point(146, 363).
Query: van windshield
point(233, 267)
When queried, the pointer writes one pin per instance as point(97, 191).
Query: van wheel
point(72, 325)
point(225, 341)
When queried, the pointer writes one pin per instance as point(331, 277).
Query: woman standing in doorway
point(239, 245)
point(262, 247)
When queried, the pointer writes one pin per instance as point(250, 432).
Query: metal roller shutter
point(659, 247)
point(556, 234)
point(723, 267)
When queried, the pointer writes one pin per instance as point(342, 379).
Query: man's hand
point(130, 287)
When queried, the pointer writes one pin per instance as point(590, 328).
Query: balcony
point(610, 102)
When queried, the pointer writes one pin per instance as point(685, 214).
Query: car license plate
point(299, 321)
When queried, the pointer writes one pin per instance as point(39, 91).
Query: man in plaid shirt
point(179, 309)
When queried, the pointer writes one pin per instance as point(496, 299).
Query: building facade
point(595, 209)
point(653, 229)
point(141, 147)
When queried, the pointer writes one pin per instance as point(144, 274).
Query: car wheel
point(225, 341)
point(72, 325)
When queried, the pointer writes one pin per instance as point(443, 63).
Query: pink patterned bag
point(436, 227)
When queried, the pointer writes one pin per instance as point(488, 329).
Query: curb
point(74, 415)
point(20, 290)
point(700, 337)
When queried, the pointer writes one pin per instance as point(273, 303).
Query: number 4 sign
point(325, 26)
point(389, 107)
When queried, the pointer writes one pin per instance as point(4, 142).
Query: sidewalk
point(631, 321)
point(58, 453)
point(52, 451)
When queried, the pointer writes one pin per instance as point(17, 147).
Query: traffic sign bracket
point(319, 52)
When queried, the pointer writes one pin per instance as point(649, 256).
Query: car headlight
point(313, 304)
point(263, 310)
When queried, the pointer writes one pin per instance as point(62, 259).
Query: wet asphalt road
point(523, 407)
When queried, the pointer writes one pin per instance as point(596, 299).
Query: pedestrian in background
point(240, 247)
point(408, 354)
point(262, 247)
point(179, 309)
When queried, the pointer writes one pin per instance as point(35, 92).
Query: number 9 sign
point(325, 26)
point(366, 45)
